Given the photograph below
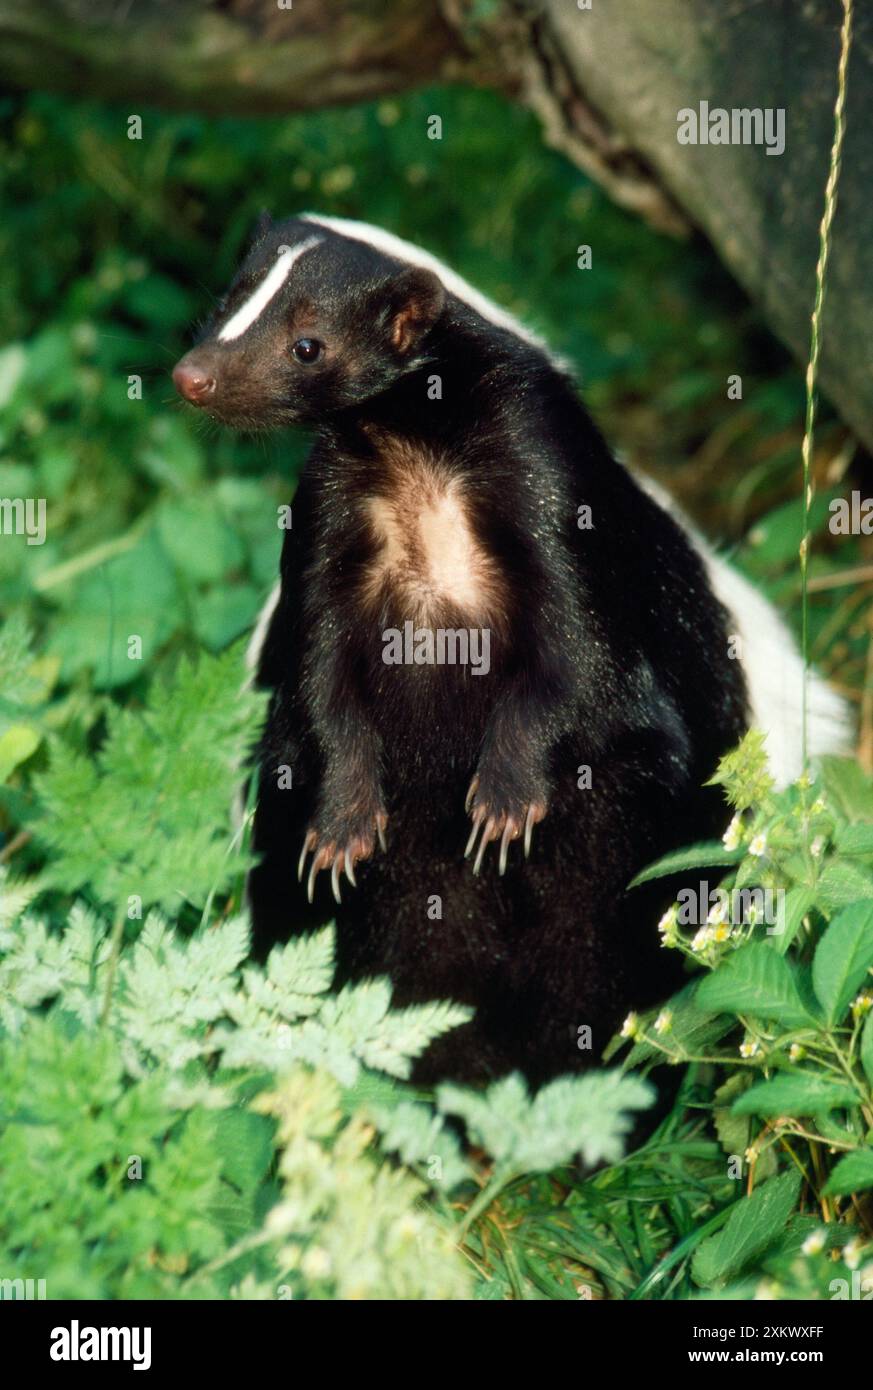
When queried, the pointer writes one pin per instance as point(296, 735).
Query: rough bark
point(639, 63)
point(607, 83)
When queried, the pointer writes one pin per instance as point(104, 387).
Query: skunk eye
point(306, 350)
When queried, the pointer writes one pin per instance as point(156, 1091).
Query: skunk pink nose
point(194, 383)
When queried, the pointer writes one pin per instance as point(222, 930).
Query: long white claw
point(472, 840)
point(334, 876)
point(528, 831)
point(350, 869)
point(301, 862)
point(483, 845)
point(310, 887)
point(504, 846)
point(468, 801)
point(380, 831)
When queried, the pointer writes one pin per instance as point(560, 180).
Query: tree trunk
point(607, 82)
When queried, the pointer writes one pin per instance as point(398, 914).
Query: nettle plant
point(785, 1008)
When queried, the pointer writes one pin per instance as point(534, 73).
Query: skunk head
point(313, 323)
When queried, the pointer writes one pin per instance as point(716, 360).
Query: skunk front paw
point(500, 811)
point(338, 843)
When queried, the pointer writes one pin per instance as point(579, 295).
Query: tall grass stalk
point(824, 249)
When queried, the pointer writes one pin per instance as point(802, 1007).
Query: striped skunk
point(500, 669)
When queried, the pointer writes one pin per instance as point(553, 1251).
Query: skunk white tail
point(774, 675)
point(772, 666)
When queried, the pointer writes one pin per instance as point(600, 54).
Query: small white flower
point(664, 1021)
point(630, 1027)
point(814, 1243)
point(817, 846)
point(717, 914)
point(852, 1253)
point(758, 846)
point(668, 920)
point(731, 837)
point(316, 1263)
point(701, 939)
point(796, 1053)
point(862, 1004)
point(750, 1048)
point(409, 1226)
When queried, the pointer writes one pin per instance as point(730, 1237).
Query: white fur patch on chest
point(427, 558)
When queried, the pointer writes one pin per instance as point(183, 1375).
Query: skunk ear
point(416, 299)
point(261, 227)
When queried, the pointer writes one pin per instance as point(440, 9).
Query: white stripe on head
point(268, 288)
point(401, 250)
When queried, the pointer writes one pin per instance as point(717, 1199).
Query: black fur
point(609, 650)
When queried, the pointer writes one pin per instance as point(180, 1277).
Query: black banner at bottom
point(83, 1340)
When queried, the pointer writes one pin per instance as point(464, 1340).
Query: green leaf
point(848, 787)
point(132, 595)
point(708, 854)
point(21, 684)
point(160, 301)
point(853, 1173)
point(842, 959)
point(577, 1114)
point(759, 982)
point(420, 1136)
point(13, 361)
point(245, 1145)
point(795, 1093)
point(225, 613)
point(867, 1048)
point(298, 975)
point(692, 1029)
point(173, 456)
point(773, 539)
point(16, 745)
point(754, 1223)
point(843, 882)
point(854, 839)
point(197, 538)
point(798, 902)
point(181, 754)
point(734, 1131)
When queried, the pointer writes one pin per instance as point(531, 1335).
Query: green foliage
point(753, 1224)
point(756, 981)
point(230, 1146)
point(26, 685)
point(138, 820)
point(587, 1115)
point(166, 1190)
point(801, 986)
